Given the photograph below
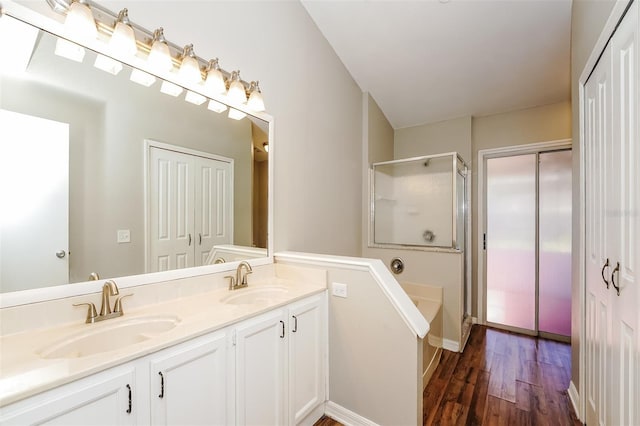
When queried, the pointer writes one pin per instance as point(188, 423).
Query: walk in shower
point(420, 202)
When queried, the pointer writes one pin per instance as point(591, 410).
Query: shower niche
point(420, 203)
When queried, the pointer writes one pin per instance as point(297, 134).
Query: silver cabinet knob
point(61, 254)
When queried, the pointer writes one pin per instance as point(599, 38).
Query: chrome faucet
point(108, 289)
point(240, 280)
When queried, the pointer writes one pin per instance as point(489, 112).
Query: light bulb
point(123, 39)
point(159, 55)
point(80, 23)
point(189, 71)
point(236, 93)
point(255, 102)
point(236, 114)
point(214, 83)
point(216, 106)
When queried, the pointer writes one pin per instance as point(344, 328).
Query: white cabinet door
point(189, 383)
point(306, 357)
point(260, 373)
point(105, 399)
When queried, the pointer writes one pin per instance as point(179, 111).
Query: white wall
point(587, 21)
point(435, 138)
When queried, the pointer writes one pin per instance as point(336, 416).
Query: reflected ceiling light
point(79, 22)
point(160, 55)
point(18, 41)
point(194, 98)
point(215, 80)
point(236, 114)
point(170, 89)
point(123, 39)
point(189, 71)
point(216, 106)
point(69, 50)
point(236, 93)
point(265, 146)
point(255, 101)
point(142, 77)
point(107, 64)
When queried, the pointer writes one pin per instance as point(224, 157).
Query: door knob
point(61, 254)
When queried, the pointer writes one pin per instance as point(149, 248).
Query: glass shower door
point(554, 312)
point(511, 241)
point(528, 242)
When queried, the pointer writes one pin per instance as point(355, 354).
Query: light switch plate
point(124, 236)
point(339, 290)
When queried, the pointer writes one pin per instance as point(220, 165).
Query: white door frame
point(484, 154)
point(578, 396)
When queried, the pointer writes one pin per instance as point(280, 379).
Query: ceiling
point(425, 61)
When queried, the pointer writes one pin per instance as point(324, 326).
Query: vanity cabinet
point(189, 383)
point(280, 362)
point(266, 370)
point(106, 398)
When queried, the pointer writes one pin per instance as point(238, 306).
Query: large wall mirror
point(104, 177)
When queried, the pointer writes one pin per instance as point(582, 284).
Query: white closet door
point(597, 134)
point(623, 210)
point(172, 200)
point(214, 206)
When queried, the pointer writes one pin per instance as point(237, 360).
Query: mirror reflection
point(103, 177)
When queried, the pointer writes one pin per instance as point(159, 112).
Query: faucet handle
point(92, 314)
point(232, 281)
point(117, 307)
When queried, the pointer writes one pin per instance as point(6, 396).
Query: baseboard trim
point(574, 397)
point(311, 418)
point(345, 416)
point(451, 345)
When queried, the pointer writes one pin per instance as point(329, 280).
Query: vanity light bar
point(105, 23)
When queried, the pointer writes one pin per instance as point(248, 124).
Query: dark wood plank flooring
point(502, 378)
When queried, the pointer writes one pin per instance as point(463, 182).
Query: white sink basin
point(109, 335)
point(253, 295)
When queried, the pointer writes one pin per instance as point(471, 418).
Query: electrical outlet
point(124, 236)
point(339, 290)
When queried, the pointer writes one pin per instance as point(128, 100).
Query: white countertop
point(24, 373)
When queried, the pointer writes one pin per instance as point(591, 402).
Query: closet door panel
point(598, 269)
point(624, 212)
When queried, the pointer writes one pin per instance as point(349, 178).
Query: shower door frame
point(483, 156)
point(464, 171)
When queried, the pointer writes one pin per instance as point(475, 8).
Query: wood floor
point(502, 378)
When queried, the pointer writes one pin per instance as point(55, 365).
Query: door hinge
point(484, 241)
point(233, 338)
